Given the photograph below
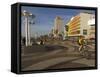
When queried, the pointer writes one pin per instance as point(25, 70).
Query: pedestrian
point(41, 42)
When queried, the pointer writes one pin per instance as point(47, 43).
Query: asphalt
point(53, 56)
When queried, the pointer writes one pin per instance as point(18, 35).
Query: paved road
point(62, 55)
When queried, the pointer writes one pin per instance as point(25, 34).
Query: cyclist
point(81, 42)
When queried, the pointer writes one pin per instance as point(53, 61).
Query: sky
point(44, 18)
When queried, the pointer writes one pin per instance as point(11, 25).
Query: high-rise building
point(58, 26)
point(78, 25)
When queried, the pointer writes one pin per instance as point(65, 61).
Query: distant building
point(79, 25)
point(65, 36)
point(58, 26)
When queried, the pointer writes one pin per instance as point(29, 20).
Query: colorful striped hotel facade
point(78, 25)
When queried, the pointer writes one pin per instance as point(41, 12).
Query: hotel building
point(91, 24)
point(80, 25)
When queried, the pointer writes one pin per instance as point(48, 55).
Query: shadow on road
point(41, 48)
point(68, 64)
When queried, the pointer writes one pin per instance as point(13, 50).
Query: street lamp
point(27, 16)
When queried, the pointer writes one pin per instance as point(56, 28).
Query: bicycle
point(85, 52)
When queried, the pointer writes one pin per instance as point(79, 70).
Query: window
point(84, 31)
point(92, 28)
point(78, 32)
point(92, 25)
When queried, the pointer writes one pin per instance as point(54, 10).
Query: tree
point(66, 27)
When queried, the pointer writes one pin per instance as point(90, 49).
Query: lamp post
point(27, 15)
